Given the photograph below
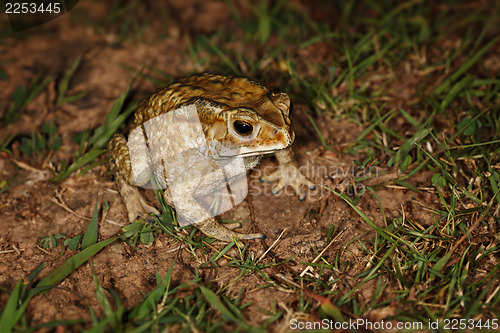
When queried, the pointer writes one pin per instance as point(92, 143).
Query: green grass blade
point(3, 75)
point(37, 89)
point(9, 313)
point(114, 120)
point(405, 148)
point(22, 96)
point(375, 124)
point(90, 236)
point(379, 230)
point(149, 304)
point(409, 118)
point(32, 276)
point(225, 59)
point(217, 304)
point(101, 294)
point(75, 97)
point(453, 92)
point(64, 84)
point(379, 203)
point(80, 162)
point(219, 254)
point(69, 266)
point(465, 66)
point(320, 135)
point(495, 183)
point(441, 263)
point(371, 275)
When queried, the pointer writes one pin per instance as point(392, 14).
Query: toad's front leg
point(288, 173)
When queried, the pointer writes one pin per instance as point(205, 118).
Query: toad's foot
point(137, 206)
point(289, 175)
point(213, 229)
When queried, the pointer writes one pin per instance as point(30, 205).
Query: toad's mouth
point(250, 153)
point(259, 152)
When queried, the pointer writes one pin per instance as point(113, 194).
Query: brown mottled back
point(226, 91)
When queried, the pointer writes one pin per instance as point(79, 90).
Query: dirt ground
point(35, 207)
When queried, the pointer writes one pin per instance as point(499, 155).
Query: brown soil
point(35, 207)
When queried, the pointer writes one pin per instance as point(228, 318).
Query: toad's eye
point(242, 127)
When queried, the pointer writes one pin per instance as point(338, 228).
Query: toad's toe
point(290, 177)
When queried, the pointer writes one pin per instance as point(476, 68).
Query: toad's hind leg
point(121, 167)
point(189, 210)
point(212, 228)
